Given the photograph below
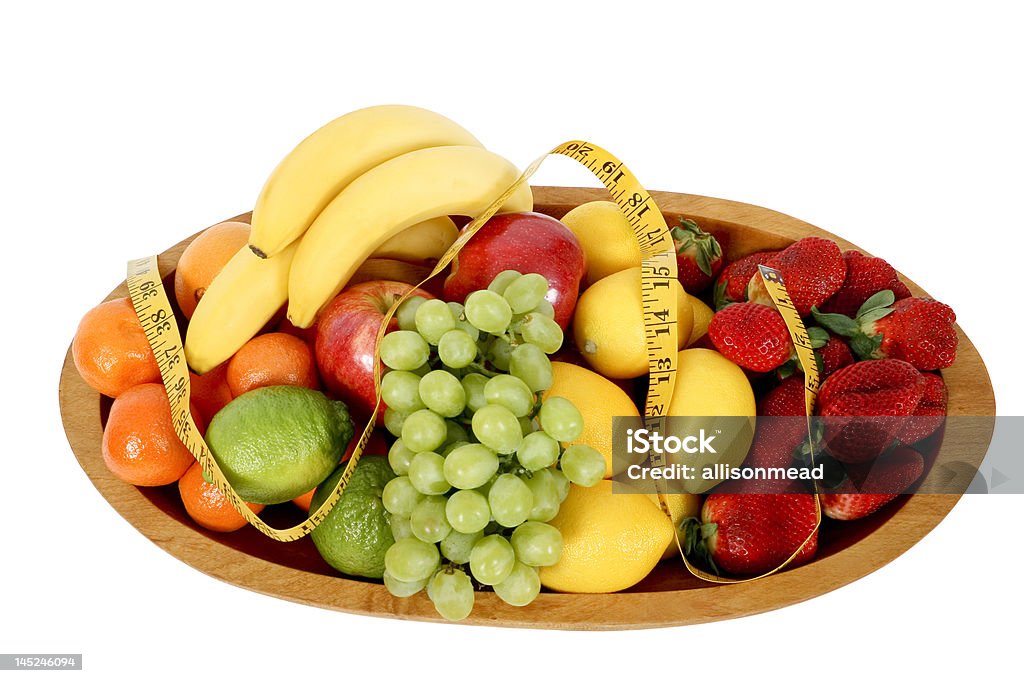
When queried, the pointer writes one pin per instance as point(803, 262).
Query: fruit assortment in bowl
point(485, 493)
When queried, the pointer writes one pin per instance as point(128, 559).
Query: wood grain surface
point(668, 596)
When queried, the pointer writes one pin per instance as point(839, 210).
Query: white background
point(128, 126)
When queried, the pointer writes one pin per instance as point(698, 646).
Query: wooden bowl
point(668, 596)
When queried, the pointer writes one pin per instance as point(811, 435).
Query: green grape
point(443, 393)
point(528, 425)
point(459, 313)
point(583, 465)
point(521, 587)
point(428, 520)
point(456, 434)
point(560, 419)
point(452, 594)
point(530, 364)
point(410, 560)
point(399, 457)
point(400, 497)
point(510, 500)
point(404, 350)
point(526, 292)
point(423, 430)
point(545, 309)
point(542, 331)
point(500, 353)
point(433, 319)
point(561, 484)
point(470, 466)
point(400, 389)
point(422, 370)
point(457, 546)
point(537, 451)
point(453, 446)
point(456, 349)
point(497, 428)
point(492, 560)
point(426, 474)
point(536, 544)
point(485, 488)
point(394, 421)
point(511, 392)
point(400, 527)
point(406, 313)
point(474, 383)
point(503, 280)
point(488, 311)
point(402, 589)
point(467, 511)
point(545, 496)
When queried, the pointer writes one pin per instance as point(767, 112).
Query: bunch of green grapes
point(479, 455)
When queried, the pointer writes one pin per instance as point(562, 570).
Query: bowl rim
point(970, 394)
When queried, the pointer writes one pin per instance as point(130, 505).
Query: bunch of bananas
point(377, 182)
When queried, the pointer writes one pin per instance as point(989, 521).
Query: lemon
point(609, 324)
point(276, 443)
point(702, 315)
point(610, 542)
point(356, 533)
point(606, 237)
point(680, 506)
point(599, 400)
point(710, 386)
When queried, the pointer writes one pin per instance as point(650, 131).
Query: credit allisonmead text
point(645, 442)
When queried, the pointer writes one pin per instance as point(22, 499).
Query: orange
point(375, 446)
point(271, 360)
point(207, 505)
point(139, 443)
point(599, 400)
point(110, 349)
point(203, 259)
point(210, 391)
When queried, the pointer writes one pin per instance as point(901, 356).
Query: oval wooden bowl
point(668, 597)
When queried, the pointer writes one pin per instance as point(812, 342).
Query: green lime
point(357, 531)
point(276, 443)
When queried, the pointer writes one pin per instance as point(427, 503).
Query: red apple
point(527, 242)
point(346, 337)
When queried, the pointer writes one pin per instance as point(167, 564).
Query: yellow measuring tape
point(659, 270)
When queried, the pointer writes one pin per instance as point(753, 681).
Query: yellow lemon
point(609, 324)
point(610, 542)
point(712, 388)
point(680, 506)
point(702, 315)
point(606, 237)
point(598, 400)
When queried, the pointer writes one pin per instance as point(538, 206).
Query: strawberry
point(889, 476)
point(833, 355)
point(698, 254)
point(813, 269)
point(930, 413)
point(917, 330)
point(865, 404)
point(731, 286)
point(748, 534)
point(865, 276)
point(781, 428)
point(753, 336)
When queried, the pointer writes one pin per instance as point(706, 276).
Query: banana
point(426, 241)
point(243, 298)
point(332, 157)
point(455, 180)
